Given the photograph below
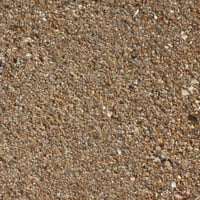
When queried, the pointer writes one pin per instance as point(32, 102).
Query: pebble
point(178, 196)
point(132, 179)
point(28, 55)
point(119, 151)
point(183, 35)
point(185, 92)
point(191, 88)
point(109, 114)
point(167, 164)
point(1, 68)
point(173, 184)
point(194, 82)
point(136, 12)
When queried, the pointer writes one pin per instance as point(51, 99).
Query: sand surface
point(99, 100)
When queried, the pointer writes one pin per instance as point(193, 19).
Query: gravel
point(99, 99)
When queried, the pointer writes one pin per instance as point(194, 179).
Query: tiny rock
point(167, 164)
point(185, 92)
point(132, 179)
point(173, 184)
point(194, 82)
point(28, 55)
point(183, 35)
point(160, 81)
point(155, 16)
point(136, 12)
point(178, 196)
point(109, 114)
point(27, 39)
point(191, 88)
point(119, 151)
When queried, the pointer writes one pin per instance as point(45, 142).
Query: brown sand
point(99, 99)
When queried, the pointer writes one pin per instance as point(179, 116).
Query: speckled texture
point(99, 100)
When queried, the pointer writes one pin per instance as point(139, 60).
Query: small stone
point(187, 66)
point(2, 68)
point(160, 81)
point(191, 88)
point(185, 92)
point(156, 160)
point(136, 12)
point(178, 196)
point(27, 39)
point(109, 114)
point(119, 151)
point(167, 164)
point(119, 136)
point(158, 148)
point(197, 102)
point(155, 16)
point(179, 177)
point(44, 19)
point(173, 184)
point(28, 55)
point(132, 179)
point(194, 82)
point(166, 47)
point(183, 35)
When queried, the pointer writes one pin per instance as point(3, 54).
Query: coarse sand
point(100, 100)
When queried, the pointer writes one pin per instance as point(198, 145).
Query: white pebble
point(185, 92)
point(183, 35)
point(173, 184)
point(28, 55)
point(191, 88)
point(132, 179)
point(119, 151)
point(109, 114)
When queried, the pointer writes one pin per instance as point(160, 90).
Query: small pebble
point(194, 82)
point(109, 114)
point(185, 92)
point(167, 164)
point(136, 12)
point(119, 151)
point(28, 55)
point(183, 35)
point(104, 108)
point(1, 69)
point(155, 16)
point(178, 196)
point(173, 184)
point(119, 136)
point(132, 179)
point(44, 19)
point(187, 66)
point(160, 81)
point(191, 88)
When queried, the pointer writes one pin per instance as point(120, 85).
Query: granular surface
point(99, 100)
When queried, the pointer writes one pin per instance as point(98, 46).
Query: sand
point(99, 100)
